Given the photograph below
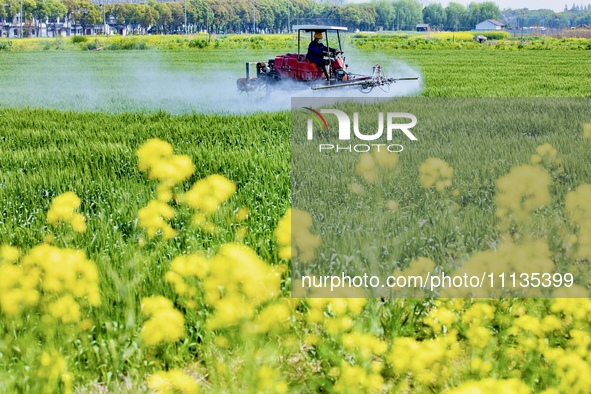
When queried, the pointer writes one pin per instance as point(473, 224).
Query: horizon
point(554, 5)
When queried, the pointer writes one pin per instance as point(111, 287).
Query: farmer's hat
point(318, 34)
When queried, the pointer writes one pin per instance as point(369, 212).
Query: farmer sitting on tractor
point(316, 52)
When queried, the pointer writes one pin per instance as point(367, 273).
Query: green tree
point(164, 17)
point(385, 14)
point(455, 16)
point(410, 13)
point(434, 14)
point(489, 10)
point(10, 9)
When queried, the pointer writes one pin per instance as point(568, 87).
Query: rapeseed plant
point(436, 172)
point(164, 324)
point(173, 381)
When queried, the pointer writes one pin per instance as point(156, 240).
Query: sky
point(554, 5)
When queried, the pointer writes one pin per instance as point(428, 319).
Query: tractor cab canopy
point(324, 29)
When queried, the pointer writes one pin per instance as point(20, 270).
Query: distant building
point(423, 27)
point(490, 24)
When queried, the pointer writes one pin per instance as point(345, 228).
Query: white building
point(490, 24)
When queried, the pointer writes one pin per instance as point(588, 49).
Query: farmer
point(317, 50)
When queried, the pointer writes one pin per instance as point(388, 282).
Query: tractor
point(292, 70)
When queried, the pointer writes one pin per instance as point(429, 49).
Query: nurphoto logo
point(393, 127)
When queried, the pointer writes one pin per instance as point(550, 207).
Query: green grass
point(204, 81)
point(449, 73)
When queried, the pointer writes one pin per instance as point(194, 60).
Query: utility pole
point(104, 20)
point(186, 27)
point(21, 19)
point(254, 16)
point(288, 17)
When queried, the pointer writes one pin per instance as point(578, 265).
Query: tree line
point(274, 16)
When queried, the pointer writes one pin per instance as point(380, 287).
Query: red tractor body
point(293, 66)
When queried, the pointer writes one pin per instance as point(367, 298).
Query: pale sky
point(554, 5)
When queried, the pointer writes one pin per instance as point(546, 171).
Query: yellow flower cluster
point(304, 243)
point(572, 366)
point(65, 271)
point(53, 369)
point(334, 313)
point(9, 254)
point(64, 277)
point(237, 283)
point(520, 192)
point(574, 310)
point(181, 275)
point(156, 157)
point(478, 314)
point(548, 155)
point(355, 379)
point(62, 210)
point(435, 172)
point(578, 207)
point(172, 382)
point(207, 195)
point(269, 381)
point(440, 319)
point(492, 386)
point(367, 166)
point(164, 324)
point(274, 317)
point(18, 288)
point(364, 345)
point(153, 218)
point(427, 361)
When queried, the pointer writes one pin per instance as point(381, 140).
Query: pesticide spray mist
point(145, 81)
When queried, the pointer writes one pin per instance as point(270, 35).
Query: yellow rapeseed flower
point(164, 324)
point(364, 345)
point(268, 380)
point(295, 227)
point(154, 218)
point(65, 309)
point(9, 254)
point(52, 370)
point(151, 152)
point(492, 386)
point(366, 168)
point(208, 194)
point(520, 192)
point(18, 288)
point(356, 379)
point(64, 271)
point(237, 283)
point(436, 172)
point(62, 210)
point(578, 208)
point(385, 159)
point(171, 382)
